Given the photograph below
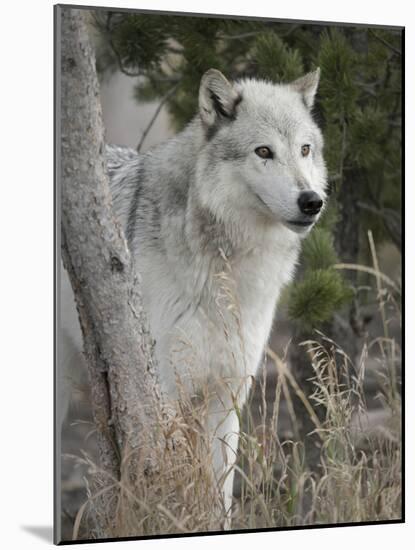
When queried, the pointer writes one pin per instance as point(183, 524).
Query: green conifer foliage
point(274, 60)
point(318, 250)
point(314, 299)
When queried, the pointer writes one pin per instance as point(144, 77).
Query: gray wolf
point(214, 218)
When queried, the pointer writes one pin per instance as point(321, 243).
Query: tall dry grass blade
point(80, 513)
point(381, 292)
point(284, 371)
point(371, 271)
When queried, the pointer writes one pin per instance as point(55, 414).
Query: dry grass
point(357, 476)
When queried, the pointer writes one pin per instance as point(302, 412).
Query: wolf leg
point(224, 430)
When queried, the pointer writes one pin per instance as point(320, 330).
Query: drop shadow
point(44, 532)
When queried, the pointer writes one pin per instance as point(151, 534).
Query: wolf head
point(262, 152)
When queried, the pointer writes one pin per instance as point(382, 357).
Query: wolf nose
point(310, 203)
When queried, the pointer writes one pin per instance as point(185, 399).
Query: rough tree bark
point(117, 343)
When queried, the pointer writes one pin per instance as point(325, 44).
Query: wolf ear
point(307, 86)
point(217, 98)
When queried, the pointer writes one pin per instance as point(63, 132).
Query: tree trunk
point(125, 394)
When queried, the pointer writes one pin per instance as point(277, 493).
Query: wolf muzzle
point(310, 203)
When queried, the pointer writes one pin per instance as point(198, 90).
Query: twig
point(248, 34)
point(378, 282)
point(385, 43)
point(164, 99)
point(371, 271)
point(390, 218)
point(343, 146)
point(284, 371)
point(239, 36)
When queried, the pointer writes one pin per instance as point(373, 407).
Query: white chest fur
point(211, 318)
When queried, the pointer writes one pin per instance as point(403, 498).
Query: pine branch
point(121, 66)
point(108, 32)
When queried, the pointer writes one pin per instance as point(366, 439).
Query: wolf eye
point(305, 150)
point(264, 152)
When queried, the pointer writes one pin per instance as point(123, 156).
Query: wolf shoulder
point(161, 174)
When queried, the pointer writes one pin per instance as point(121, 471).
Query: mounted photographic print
point(228, 274)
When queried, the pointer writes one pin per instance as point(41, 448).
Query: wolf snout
point(310, 203)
